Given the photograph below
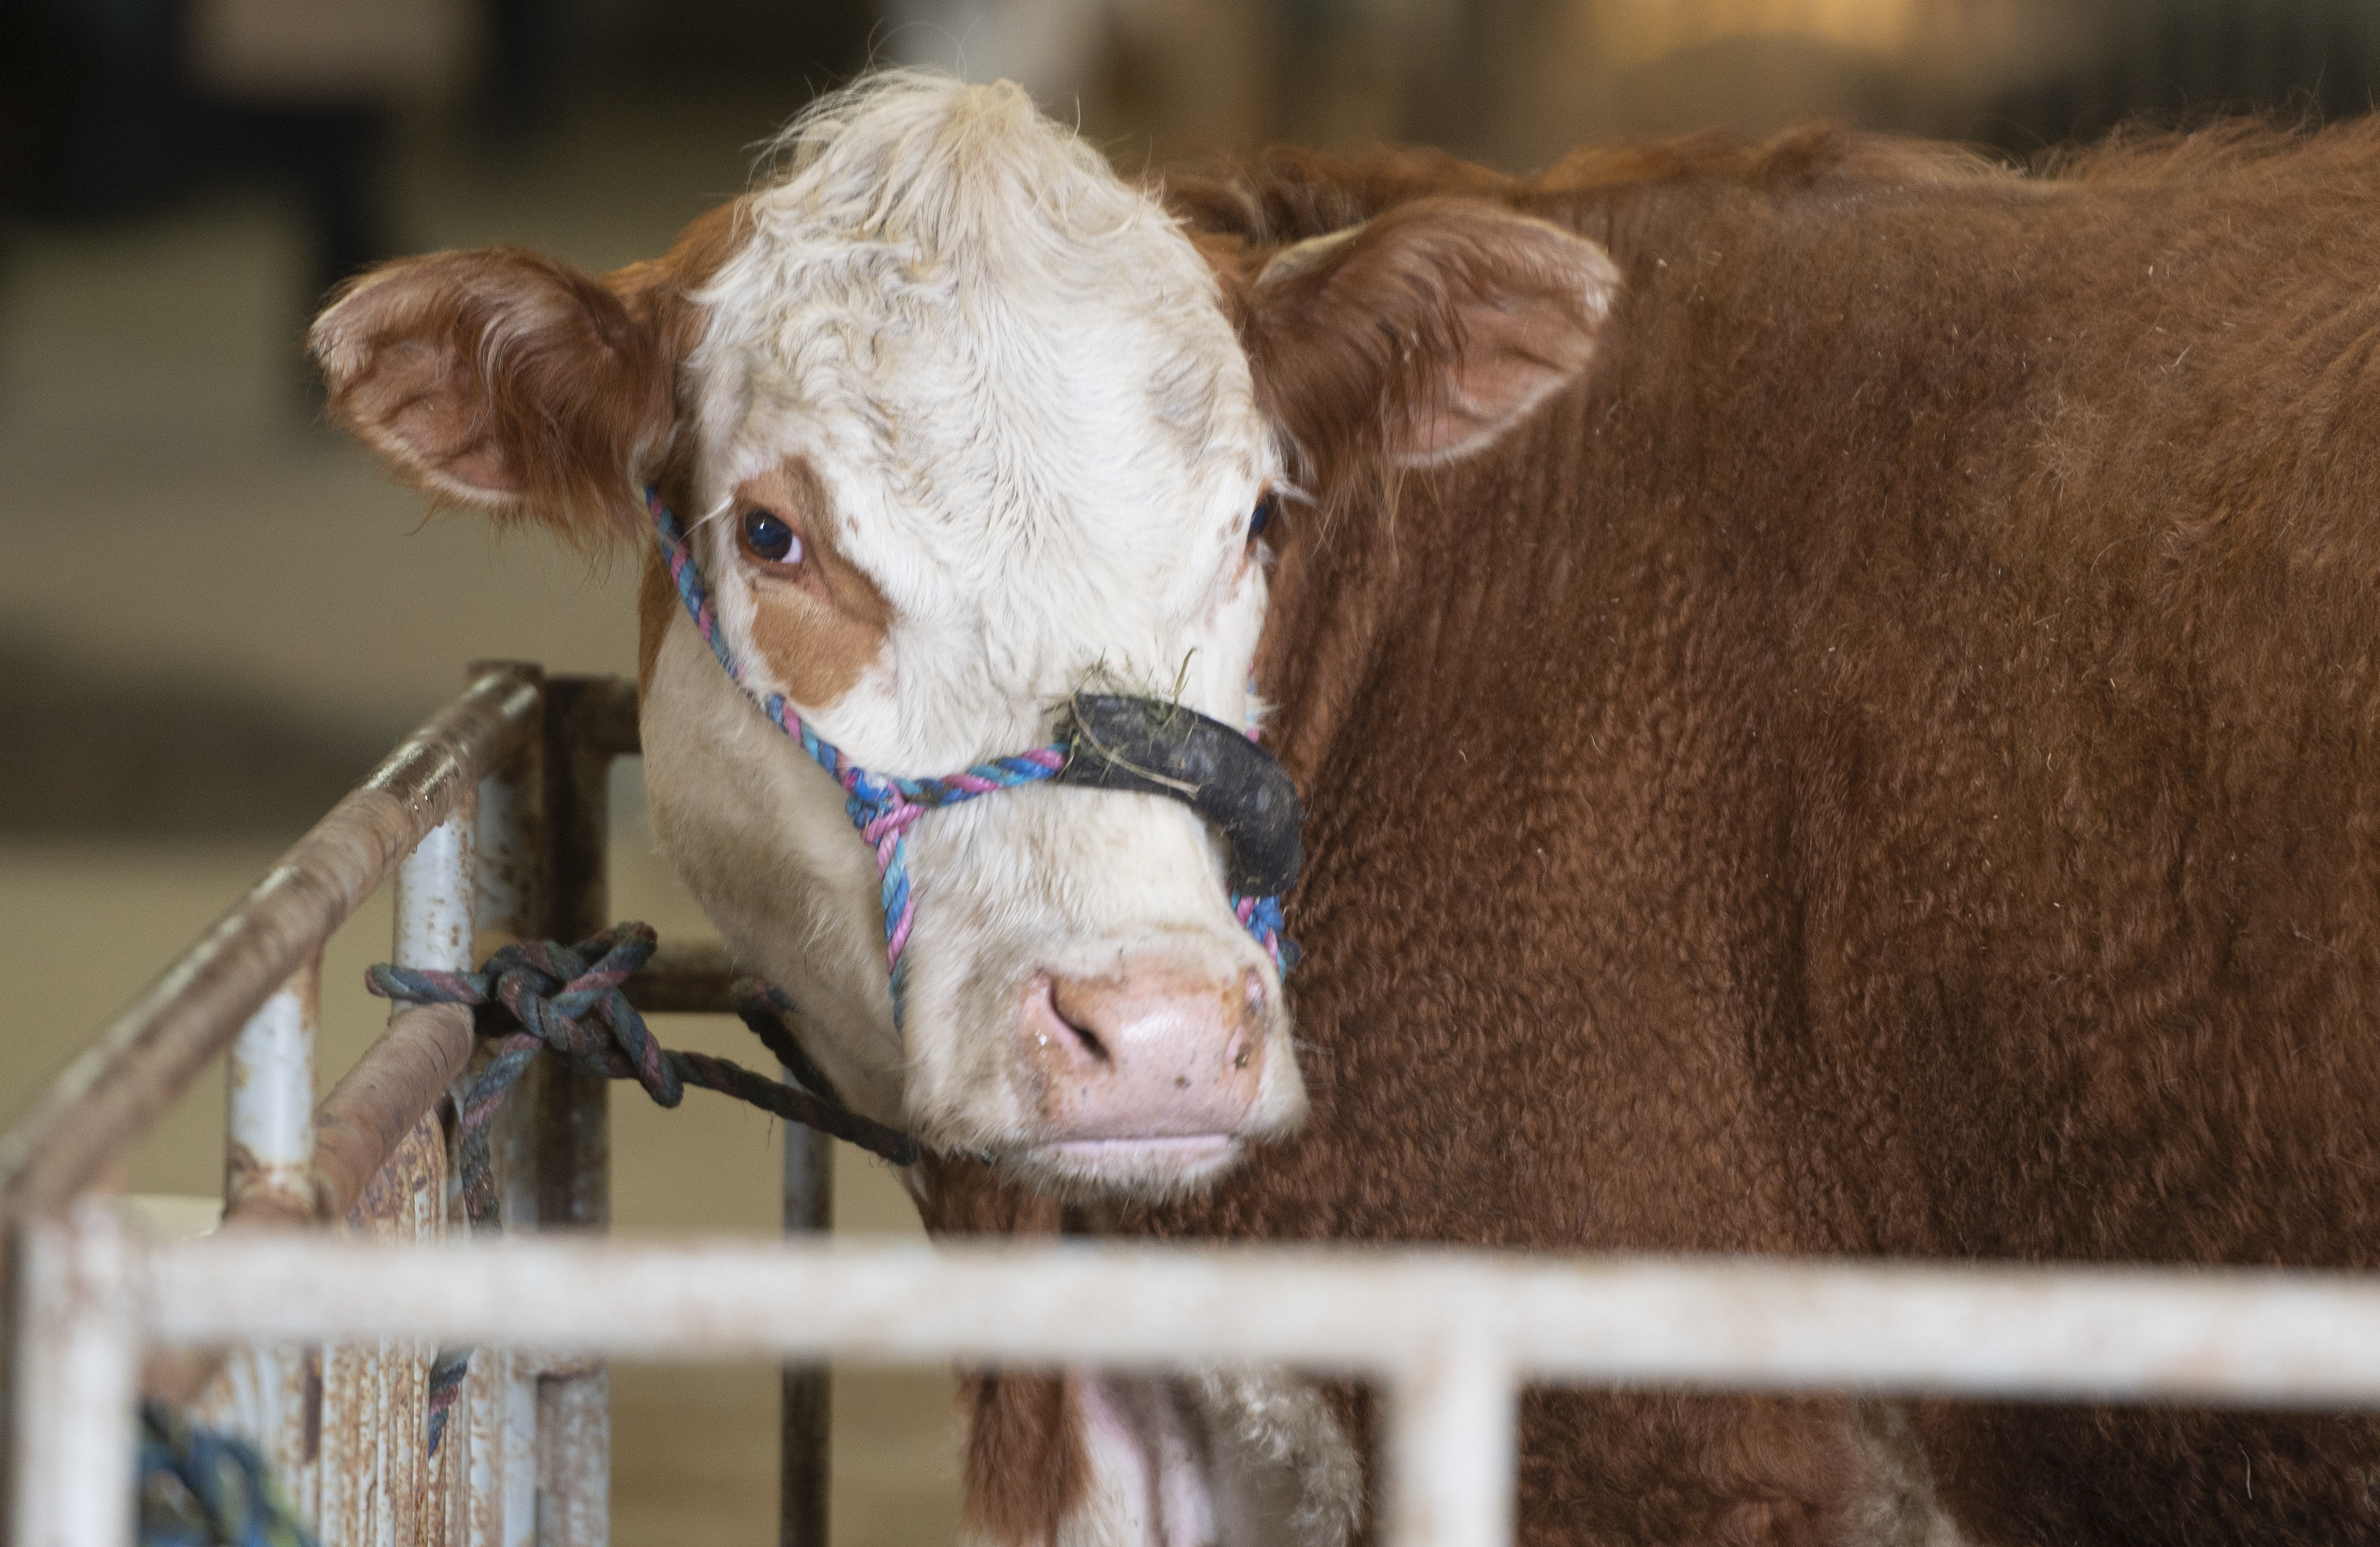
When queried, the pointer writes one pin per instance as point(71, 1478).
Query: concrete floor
point(185, 550)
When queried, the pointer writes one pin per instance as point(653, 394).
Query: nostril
point(1084, 1035)
point(1090, 1040)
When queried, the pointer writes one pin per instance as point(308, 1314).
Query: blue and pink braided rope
point(883, 808)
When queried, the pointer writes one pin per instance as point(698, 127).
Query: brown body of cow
point(1887, 765)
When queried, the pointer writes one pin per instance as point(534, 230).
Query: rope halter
point(884, 807)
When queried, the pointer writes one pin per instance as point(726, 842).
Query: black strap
point(1150, 747)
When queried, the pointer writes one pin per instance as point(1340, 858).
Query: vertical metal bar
point(573, 1427)
point(1450, 1449)
point(480, 1415)
point(499, 1426)
point(434, 889)
point(805, 1429)
point(269, 1117)
point(374, 1474)
point(519, 1440)
point(269, 1393)
point(76, 1386)
point(513, 902)
point(510, 886)
point(574, 1139)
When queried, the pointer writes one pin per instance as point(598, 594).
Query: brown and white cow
point(1838, 691)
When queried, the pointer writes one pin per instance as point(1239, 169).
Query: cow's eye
point(1268, 505)
point(769, 540)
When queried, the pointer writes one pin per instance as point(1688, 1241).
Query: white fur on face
point(1037, 436)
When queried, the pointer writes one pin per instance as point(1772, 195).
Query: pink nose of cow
point(1153, 1053)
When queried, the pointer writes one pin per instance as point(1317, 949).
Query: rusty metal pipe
point(108, 1098)
point(391, 1089)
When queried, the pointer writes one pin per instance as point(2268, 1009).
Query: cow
point(1834, 686)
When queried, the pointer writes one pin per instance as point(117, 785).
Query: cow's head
point(963, 424)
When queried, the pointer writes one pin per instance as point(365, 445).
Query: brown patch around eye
point(818, 627)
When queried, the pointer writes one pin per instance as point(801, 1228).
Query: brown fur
point(502, 378)
point(817, 633)
point(1025, 1465)
point(1887, 764)
point(1890, 765)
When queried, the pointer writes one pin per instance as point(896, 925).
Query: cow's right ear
point(1423, 335)
point(501, 379)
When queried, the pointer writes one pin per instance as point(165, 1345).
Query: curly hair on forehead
point(950, 169)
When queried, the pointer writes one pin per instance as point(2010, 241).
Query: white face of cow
point(972, 433)
point(960, 427)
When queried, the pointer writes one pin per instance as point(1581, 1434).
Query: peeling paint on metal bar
point(269, 1096)
point(77, 1373)
point(1452, 1333)
point(2250, 1337)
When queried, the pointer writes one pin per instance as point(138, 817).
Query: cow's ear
point(501, 379)
point(1427, 332)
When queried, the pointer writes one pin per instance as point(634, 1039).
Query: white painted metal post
point(270, 1095)
point(1453, 1415)
point(435, 886)
point(268, 1392)
point(76, 1381)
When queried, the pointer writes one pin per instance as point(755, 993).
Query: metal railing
point(491, 821)
point(1453, 1336)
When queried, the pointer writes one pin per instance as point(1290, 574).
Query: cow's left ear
point(1426, 333)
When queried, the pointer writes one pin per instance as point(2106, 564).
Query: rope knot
point(536, 995)
point(567, 998)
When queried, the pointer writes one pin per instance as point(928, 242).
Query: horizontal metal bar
point(685, 980)
point(2223, 1337)
point(108, 1097)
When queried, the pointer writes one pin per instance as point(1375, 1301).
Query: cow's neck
point(1443, 556)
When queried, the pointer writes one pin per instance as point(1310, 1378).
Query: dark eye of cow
point(1267, 507)
point(767, 538)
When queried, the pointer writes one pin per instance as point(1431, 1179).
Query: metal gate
point(492, 821)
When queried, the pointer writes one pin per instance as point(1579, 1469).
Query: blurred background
point(215, 615)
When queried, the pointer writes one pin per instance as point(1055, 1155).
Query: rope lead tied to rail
point(540, 995)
